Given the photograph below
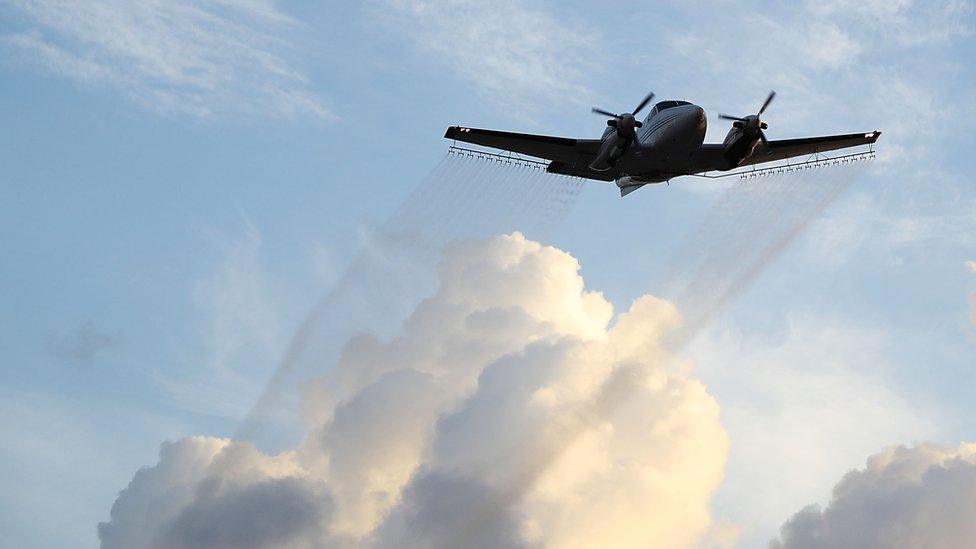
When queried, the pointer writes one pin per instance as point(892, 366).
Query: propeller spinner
point(626, 122)
point(752, 123)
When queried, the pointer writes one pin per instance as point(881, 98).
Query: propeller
point(626, 122)
point(752, 123)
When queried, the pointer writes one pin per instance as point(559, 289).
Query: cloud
point(838, 66)
point(801, 404)
point(433, 507)
point(64, 456)
point(242, 333)
point(862, 224)
point(971, 265)
point(833, 67)
point(922, 496)
point(904, 22)
point(201, 59)
point(208, 492)
point(972, 308)
point(269, 513)
point(519, 56)
point(83, 345)
point(495, 418)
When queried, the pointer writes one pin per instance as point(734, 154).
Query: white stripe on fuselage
point(657, 122)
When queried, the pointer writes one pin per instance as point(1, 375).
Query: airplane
point(669, 143)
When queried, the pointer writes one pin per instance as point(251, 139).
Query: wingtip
point(873, 136)
point(451, 132)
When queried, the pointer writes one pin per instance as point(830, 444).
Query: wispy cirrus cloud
point(902, 22)
point(240, 334)
point(972, 308)
point(971, 265)
point(519, 56)
point(838, 65)
point(202, 59)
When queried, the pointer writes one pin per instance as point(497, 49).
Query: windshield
point(669, 104)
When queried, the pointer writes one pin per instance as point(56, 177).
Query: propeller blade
point(643, 103)
point(730, 117)
point(766, 103)
point(605, 113)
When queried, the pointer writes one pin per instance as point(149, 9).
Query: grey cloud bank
point(922, 496)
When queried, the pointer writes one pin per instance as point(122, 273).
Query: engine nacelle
point(739, 144)
point(611, 150)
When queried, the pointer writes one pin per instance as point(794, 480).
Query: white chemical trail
point(748, 227)
point(740, 235)
point(461, 197)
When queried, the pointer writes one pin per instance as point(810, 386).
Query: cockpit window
point(668, 104)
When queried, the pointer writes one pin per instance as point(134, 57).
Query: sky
point(181, 182)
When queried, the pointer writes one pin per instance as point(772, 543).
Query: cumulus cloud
point(923, 496)
point(817, 383)
point(511, 410)
point(196, 58)
point(209, 492)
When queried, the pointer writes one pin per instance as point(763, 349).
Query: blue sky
point(180, 183)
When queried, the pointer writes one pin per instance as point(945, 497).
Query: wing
point(572, 152)
point(788, 148)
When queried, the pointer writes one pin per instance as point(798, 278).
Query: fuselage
point(667, 145)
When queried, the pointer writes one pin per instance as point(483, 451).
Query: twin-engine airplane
point(667, 144)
